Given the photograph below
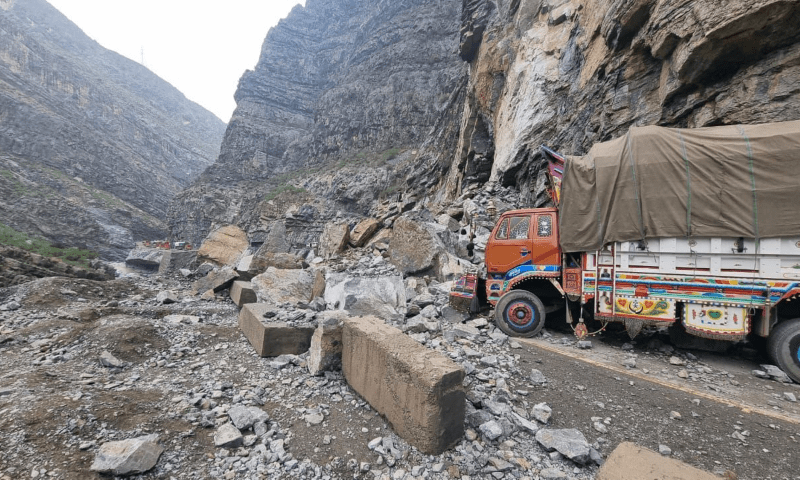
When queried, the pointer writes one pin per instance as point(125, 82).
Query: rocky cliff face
point(93, 146)
point(464, 92)
point(571, 73)
point(341, 86)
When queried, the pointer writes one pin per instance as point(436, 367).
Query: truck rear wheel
point(519, 313)
point(784, 347)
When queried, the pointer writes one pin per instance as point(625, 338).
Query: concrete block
point(632, 462)
point(271, 339)
point(242, 293)
point(418, 390)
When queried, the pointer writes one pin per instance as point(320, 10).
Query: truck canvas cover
point(729, 181)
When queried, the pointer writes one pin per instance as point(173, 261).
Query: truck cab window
point(544, 226)
point(502, 232)
point(519, 227)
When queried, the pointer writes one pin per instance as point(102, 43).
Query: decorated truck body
point(698, 229)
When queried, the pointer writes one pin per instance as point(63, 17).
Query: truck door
point(510, 244)
point(544, 240)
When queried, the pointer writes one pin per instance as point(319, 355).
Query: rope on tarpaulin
point(751, 167)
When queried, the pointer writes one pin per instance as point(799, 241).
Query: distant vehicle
point(179, 245)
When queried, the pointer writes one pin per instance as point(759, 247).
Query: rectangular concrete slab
point(242, 293)
point(418, 390)
point(632, 462)
point(271, 339)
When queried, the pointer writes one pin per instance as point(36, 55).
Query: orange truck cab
point(522, 257)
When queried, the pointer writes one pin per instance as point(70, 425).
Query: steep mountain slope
point(340, 84)
point(375, 108)
point(93, 146)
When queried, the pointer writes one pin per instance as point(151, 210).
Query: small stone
point(600, 427)
point(675, 415)
point(537, 377)
point(673, 360)
point(542, 412)
point(110, 361)
point(551, 474)
point(789, 396)
point(585, 344)
point(228, 436)
point(492, 430)
point(314, 418)
point(664, 450)
point(683, 373)
point(629, 362)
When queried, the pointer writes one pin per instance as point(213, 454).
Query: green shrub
point(283, 189)
point(71, 255)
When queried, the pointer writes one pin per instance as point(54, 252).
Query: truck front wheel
point(784, 347)
point(519, 313)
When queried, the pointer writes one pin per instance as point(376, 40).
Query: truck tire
point(783, 346)
point(519, 313)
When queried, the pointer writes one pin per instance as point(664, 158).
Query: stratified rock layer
point(371, 109)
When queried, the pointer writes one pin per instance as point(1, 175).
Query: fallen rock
point(284, 286)
point(413, 249)
point(228, 436)
point(776, 373)
point(224, 246)
point(334, 239)
point(166, 297)
point(216, 281)
point(176, 260)
point(382, 296)
point(110, 361)
point(363, 231)
point(569, 442)
point(145, 258)
point(136, 455)
point(542, 412)
point(245, 417)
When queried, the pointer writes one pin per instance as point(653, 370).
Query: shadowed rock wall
point(93, 146)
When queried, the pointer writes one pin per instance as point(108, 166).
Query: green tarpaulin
point(730, 181)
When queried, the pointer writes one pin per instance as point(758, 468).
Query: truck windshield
point(513, 228)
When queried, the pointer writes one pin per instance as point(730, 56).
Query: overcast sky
point(199, 46)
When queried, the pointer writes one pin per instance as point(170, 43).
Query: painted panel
point(715, 321)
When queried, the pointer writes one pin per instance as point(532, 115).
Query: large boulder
point(136, 455)
point(174, 260)
point(383, 296)
point(145, 258)
point(275, 240)
point(224, 246)
point(216, 280)
point(280, 285)
point(334, 239)
point(416, 249)
point(263, 260)
point(363, 232)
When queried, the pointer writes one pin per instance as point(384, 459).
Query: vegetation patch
point(71, 255)
point(283, 190)
point(19, 189)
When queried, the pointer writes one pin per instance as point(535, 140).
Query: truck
point(692, 229)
